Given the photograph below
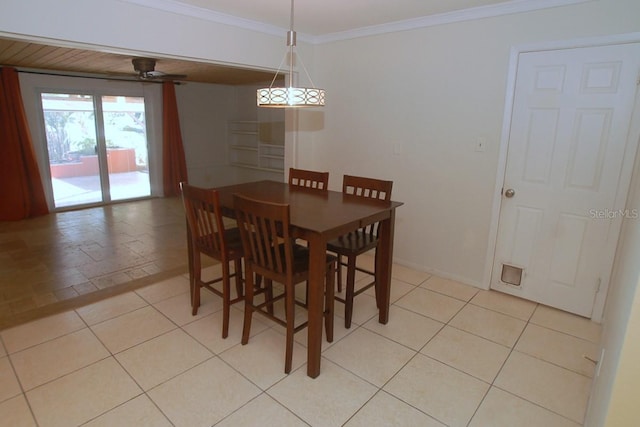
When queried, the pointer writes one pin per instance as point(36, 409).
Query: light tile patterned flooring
point(451, 355)
point(55, 261)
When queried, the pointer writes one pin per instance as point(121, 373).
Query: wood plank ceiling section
point(34, 56)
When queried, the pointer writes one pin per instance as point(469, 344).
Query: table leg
point(317, 262)
point(384, 261)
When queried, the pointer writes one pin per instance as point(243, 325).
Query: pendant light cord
point(291, 42)
point(291, 20)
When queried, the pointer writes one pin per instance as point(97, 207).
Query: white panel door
point(567, 150)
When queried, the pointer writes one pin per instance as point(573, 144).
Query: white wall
point(619, 371)
point(432, 92)
point(204, 111)
point(246, 109)
point(623, 407)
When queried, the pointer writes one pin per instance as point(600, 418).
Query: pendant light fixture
point(290, 96)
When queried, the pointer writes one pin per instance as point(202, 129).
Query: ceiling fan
point(146, 69)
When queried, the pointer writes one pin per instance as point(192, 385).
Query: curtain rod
point(61, 74)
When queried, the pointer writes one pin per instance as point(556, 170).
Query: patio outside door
point(97, 148)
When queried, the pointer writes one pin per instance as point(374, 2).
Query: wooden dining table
point(318, 217)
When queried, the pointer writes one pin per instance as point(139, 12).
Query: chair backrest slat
point(369, 188)
point(309, 179)
point(264, 229)
point(202, 208)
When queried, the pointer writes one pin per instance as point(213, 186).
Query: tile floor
point(84, 255)
point(451, 355)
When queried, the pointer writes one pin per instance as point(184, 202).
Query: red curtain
point(21, 192)
point(174, 165)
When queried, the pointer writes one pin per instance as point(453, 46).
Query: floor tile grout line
point(402, 400)
point(381, 388)
point(553, 364)
point(8, 355)
point(64, 374)
point(15, 373)
point(262, 392)
point(492, 384)
point(562, 332)
point(513, 349)
point(529, 322)
point(535, 404)
point(439, 330)
point(399, 343)
point(46, 341)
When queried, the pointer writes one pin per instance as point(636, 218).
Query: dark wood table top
point(331, 213)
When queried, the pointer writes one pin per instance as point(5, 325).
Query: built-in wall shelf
point(256, 145)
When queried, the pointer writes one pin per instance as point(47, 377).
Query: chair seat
point(354, 243)
point(301, 260)
point(234, 244)
point(300, 265)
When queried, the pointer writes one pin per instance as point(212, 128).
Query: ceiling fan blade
point(159, 75)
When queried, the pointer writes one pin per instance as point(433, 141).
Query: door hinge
point(599, 285)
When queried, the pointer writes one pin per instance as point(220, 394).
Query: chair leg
point(248, 306)
point(237, 266)
point(329, 301)
point(197, 279)
point(226, 299)
point(376, 286)
point(290, 317)
point(268, 294)
point(339, 269)
point(351, 278)
point(306, 294)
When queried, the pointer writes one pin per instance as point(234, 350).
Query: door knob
point(509, 193)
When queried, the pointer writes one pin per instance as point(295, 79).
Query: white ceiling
point(320, 21)
point(321, 17)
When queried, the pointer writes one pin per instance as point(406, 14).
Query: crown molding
point(178, 8)
point(505, 8)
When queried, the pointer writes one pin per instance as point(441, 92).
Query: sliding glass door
point(97, 148)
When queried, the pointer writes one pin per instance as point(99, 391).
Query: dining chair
point(208, 236)
point(271, 252)
point(356, 243)
point(309, 179)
